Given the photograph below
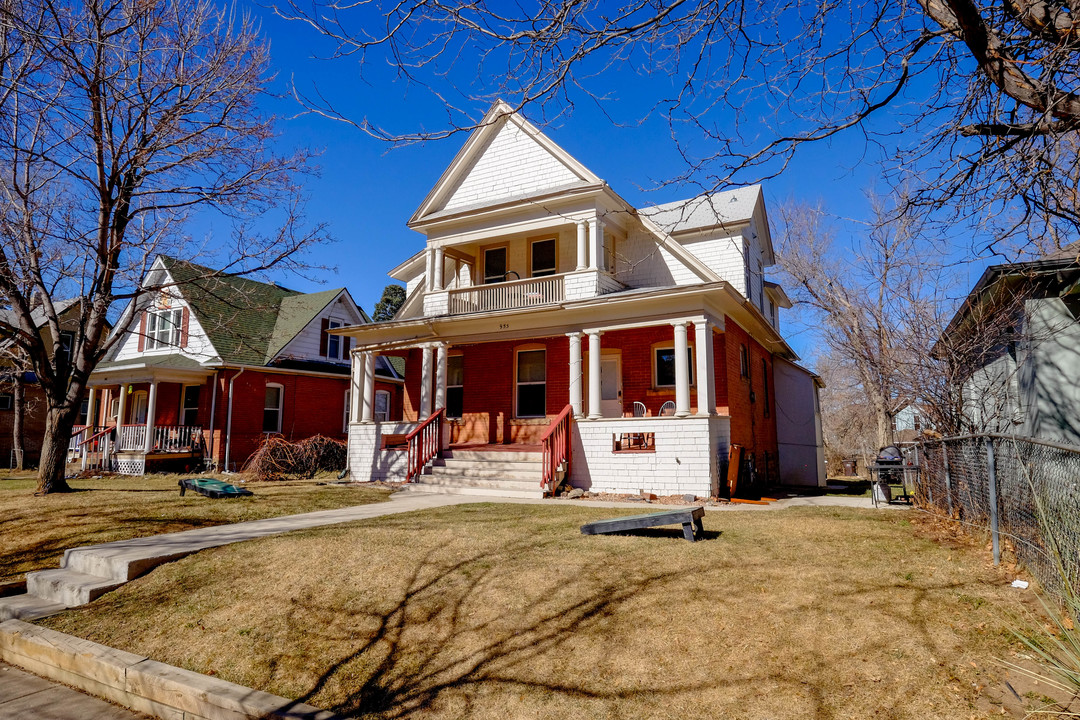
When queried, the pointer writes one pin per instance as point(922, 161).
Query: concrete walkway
point(27, 697)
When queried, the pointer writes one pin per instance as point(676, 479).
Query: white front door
point(611, 385)
point(138, 408)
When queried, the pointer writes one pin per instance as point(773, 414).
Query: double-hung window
point(543, 257)
point(333, 342)
point(163, 328)
point(272, 408)
point(382, 406)
point(455, 386)
point(494, 265)
point(189, 409)
point(531, 383)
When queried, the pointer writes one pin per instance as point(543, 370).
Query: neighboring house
point(542, 294)
point(211, 365)
point(14, 368)
point(799, 437)
point(1025, 317)
point(910, 422)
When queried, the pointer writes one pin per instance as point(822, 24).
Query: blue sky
point(366, 190)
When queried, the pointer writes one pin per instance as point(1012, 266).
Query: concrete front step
point(515, 471)
point(486, 490)
point(28, 607)
point(494, 455)
point(68, 587)
point(483, 482)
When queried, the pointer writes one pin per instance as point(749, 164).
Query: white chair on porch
point(638, 438)
point(667, 409)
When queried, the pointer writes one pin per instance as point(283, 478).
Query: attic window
point(333, 342)
point(163, 328)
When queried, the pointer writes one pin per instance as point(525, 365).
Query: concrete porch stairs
point(509, 471)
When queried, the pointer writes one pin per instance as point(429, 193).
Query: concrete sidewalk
point(27, 697)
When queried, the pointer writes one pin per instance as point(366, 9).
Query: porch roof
point(635, 307)
point(167, 368)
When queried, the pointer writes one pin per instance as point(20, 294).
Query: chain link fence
point(1024, 492)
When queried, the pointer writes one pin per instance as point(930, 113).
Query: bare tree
point(118, 120)
point(971, 101)
point(860, 297)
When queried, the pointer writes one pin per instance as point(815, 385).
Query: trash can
point(850, 468)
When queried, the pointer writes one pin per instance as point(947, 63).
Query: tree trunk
point(54, 451)
point(19, 402)
point(884, 429)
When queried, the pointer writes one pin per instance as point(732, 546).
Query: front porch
point(647, 402)
point(143, 419)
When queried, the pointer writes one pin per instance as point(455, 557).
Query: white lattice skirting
point(131, 467)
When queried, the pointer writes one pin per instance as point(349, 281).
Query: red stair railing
point(556, 442)
point(425, 442)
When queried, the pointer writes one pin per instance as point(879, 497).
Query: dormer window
point(163, 328)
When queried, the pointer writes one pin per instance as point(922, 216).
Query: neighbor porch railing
point(424, 443)
point(556, 443)
point(80, 433)
point(507, 295)
point(166, 438)
point(96, 450)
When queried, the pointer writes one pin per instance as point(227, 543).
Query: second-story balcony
point(508, 295)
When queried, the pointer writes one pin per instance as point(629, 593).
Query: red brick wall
point(753, 424)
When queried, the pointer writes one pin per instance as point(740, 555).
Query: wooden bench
point(689, 518)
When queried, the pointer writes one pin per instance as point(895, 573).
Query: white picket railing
point(79, 433)
point(507, 295)
point(166, 438)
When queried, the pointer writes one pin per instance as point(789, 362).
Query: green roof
point(247, 321)
point(398, 363)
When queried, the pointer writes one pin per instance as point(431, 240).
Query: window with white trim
point(163, 328)
point(455, 386)
point(7, 401)
point(272, 404)
point(495, 265)
point(531, 380)
point(189, 405)
point(348, 409)
point(334, 343)
point(382, 406)
point(664, 365)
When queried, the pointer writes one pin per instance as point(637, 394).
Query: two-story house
point(212, 363)
point(551, 329)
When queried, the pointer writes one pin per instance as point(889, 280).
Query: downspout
point(228, 420)
point(213, 411)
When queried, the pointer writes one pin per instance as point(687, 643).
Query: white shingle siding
point(198, 344)
point(723, 255)
point(686, 458)
point(307, 343)
point(513, 164)
point(367, 461)
point(641, 262)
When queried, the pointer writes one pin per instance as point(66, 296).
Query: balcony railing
point(508, 295)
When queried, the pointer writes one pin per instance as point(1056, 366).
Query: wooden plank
point(749, 502)
point(689, 519)
point(734, 463)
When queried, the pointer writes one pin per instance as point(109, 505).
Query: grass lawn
point(506, 611)
point(37, 530)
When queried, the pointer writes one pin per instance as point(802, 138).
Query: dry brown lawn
point(35, 531)
point(506, 611)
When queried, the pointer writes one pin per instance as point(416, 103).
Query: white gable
point(198, 346)
point(307, 345)
point(512, 165)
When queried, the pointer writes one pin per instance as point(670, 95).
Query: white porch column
point(367, 408)
point(582, 247)
point(151, 404)
point(706, 376)
point(120, 412)
point(440, 261)
point(575, 373)
point(594, 376)
point(91, 410)
point(682, 371)
point(356, 387)
point(440, 376)
point(596, 241)
point(429, 274)
point(425, 383)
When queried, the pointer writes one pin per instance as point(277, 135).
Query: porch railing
point(166, 438)
point(96, 449)
point(556, 443)
point(80, 433)
point(507, 295)
point(424, 443)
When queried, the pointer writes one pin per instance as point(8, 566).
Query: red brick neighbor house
point(552, 332)
point(214, 363)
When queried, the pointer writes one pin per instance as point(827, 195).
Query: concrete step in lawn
point(475, 486)
point(28, 607)
point(69, 587)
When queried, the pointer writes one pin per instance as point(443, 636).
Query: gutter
point(228, 420)
point(213, 411)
